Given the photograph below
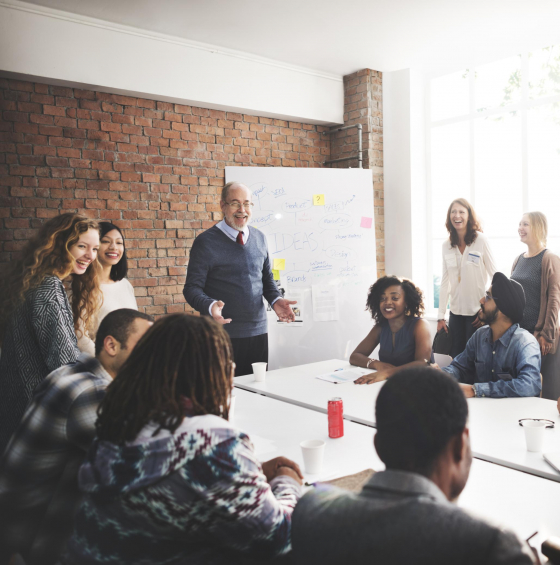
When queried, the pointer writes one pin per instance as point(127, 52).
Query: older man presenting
point(501, 359)
point(229, 273)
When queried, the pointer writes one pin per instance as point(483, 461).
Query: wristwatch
point(474, 389)
point(370, 361)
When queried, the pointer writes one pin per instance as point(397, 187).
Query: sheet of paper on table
point(345, 375)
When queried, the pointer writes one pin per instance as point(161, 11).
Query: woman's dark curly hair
point(413, 297)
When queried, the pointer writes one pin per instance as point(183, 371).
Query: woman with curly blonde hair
point(37, 324)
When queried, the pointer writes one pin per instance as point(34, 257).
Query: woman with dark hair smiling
point(468, 263)
point(168, 479)
point(117, 290)
point(396, 307)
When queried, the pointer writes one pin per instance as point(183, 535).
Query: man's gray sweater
point(238, 275)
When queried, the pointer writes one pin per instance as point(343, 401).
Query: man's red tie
point(240, 238)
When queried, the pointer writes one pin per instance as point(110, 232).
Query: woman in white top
point(467, 265)
point(117, 290)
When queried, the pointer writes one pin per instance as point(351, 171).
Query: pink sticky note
point(365, 223)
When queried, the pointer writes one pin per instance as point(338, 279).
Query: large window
point(494, 139)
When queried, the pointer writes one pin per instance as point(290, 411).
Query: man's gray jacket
point(399, 518)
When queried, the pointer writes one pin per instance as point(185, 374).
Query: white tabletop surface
point(277, 428)
point(299, 386)
point(495, 432)
point(523, 503)
point(496, 435)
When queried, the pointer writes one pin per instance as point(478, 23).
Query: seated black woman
point(396, 306)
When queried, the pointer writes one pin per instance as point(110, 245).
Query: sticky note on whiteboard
point(276, 274)
point(279, 264)
point(366, 222)
point(318, 200)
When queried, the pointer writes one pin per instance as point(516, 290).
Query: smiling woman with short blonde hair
point(538, 272)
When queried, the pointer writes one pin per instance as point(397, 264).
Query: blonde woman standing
point(468, 263)
point(538, 271)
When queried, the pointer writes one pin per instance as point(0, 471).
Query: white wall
point(40, 43)
point(397, 173)
point(404, 176)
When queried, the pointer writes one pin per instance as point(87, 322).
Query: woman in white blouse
point(467, 265)
point(117, 290)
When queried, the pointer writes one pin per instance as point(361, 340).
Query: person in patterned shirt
point(168, 479)
point(38, 476)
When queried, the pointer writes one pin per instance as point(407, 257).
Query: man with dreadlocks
point(38, 477)
point(168, 479)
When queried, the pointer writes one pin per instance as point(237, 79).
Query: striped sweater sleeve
point(248, 514)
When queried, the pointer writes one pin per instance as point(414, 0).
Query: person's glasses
point(235, 205)
point(488, 296)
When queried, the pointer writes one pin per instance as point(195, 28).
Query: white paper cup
point(313, 451)
point(534, 434)
point(231, 410)
point(259, 370)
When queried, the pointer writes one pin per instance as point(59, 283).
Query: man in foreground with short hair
point(500, 359)
point(39, 471)
point(404, 514)
point(228, 275)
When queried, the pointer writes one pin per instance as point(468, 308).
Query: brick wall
point(363, 105)
point(153, 168)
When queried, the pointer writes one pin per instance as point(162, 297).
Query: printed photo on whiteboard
point(281, 289)
point(325, 302)
point(297, 295)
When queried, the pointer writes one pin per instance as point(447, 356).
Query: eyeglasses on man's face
point(488, 296)
point(236, 205)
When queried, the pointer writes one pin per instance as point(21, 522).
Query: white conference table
point(298, 385)
point(523, 503)
point(496, 435)
point(277, 428)
point(495, 432)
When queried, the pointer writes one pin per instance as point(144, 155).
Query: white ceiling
point(342, 36)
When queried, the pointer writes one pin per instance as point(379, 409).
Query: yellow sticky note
point(279, 264)
point(318, 200)
point(276, 274)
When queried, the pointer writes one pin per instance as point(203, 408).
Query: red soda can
point(336, 422)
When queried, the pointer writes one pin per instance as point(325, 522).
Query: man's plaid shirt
point(39, 471)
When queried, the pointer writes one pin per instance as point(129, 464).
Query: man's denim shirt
point(509, 367)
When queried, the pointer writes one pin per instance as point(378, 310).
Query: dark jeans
point(248, 350)
point(461, 330)
point(550, 371)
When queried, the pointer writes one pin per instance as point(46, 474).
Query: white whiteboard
point(327, 245)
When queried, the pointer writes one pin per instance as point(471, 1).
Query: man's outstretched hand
point(217, 308)
point(283, 310)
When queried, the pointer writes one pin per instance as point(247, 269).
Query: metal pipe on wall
point(360, 151)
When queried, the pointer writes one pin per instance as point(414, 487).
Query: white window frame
point(523, 107)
